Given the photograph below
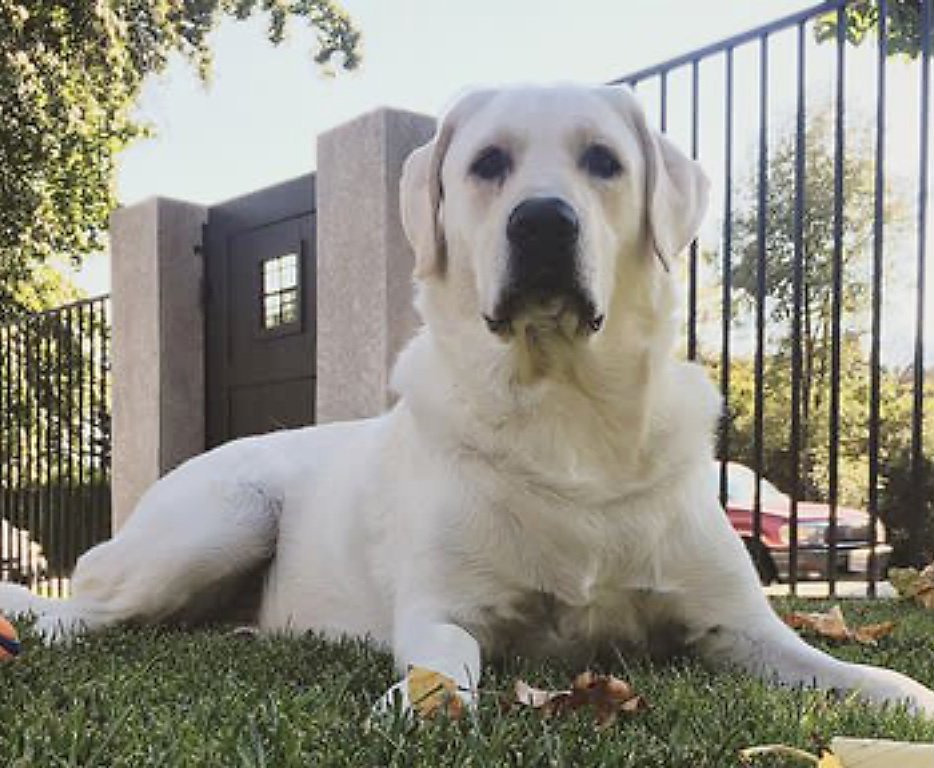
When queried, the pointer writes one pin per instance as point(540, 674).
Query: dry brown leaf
point(912, 584)
point(431, 693)
point(833, 626)
point(869, 634)
point(605, 695)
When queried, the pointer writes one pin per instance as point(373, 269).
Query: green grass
point(159, 697)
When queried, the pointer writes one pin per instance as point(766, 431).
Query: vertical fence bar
point(87, 366)
point(36, 449)
point(917, 522)
point(875, 361)
point(761, 246)
point(98, 423)
point(5, 463)
point(61, 398)
point(47, 375)
point(692, 256)
point(67, 483)
point(22, 445)
point(726, 307)
point(797, 291)
point(836, 304)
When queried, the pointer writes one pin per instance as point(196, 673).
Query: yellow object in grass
point(431, 693)
point(9, 640)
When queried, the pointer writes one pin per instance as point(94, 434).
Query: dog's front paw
point(885, 686)
point(922, 702)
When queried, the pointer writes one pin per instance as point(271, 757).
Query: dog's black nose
point(542, 234)
point(542, 223)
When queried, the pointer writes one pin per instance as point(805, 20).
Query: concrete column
point(158, 344)
point(365, 312)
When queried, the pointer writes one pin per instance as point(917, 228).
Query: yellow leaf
point(881, 753)
point(829, 760)
point(431, 692)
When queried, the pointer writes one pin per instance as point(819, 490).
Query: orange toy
point(9, 640)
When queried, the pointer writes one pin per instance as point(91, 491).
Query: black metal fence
point(54, 442)
point(807, 291)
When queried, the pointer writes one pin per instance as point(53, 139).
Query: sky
point(257, 121)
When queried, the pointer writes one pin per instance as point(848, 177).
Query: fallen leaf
point(833, 626)
point(431, 692)
point(605, 695)
point(912, 584)
point(854, 753)
point(536, 698)
point(826, 759)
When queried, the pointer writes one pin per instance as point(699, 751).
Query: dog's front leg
point(765, 646)
point(421, 639)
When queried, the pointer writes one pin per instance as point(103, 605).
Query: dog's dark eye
point(492, 164)
point(600, 161)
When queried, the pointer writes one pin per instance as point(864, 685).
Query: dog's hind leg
point(192, 533)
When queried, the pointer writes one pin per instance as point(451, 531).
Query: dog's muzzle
point(543, 275)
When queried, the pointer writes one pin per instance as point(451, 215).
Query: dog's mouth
point(573, 314)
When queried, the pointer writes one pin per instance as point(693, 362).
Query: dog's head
point(542, 203)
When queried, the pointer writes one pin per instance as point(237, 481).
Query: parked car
point(772, 552)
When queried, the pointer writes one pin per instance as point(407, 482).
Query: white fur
point(545, 493)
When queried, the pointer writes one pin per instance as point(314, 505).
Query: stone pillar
point(158, 344)
point(365, 312)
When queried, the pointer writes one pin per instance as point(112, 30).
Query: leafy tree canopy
point(862, 16)
point(70, 73)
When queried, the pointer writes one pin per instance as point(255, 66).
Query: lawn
point(157, 697)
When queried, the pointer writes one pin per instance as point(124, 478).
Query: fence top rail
point(728, 43)
point(27, 317)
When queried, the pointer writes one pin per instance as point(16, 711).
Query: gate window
point(280, 291)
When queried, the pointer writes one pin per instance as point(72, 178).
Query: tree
point(862, 16)
point(70, 73)
point(818, 229)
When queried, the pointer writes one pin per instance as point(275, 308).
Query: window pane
point(289, 276)
point(270, 276)
point(272, 315)
point(290, 306)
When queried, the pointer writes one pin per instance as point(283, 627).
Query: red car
point(771, 553)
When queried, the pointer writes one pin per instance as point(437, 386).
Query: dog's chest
point(556, 577)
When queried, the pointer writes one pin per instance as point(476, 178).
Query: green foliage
point(70, 74)
point(862, 16)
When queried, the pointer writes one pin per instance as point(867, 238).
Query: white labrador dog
point(542, 486)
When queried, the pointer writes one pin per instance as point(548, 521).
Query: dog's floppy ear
point(420, 201)
point(421, 192)
point(677, 192)
point(677, 189)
